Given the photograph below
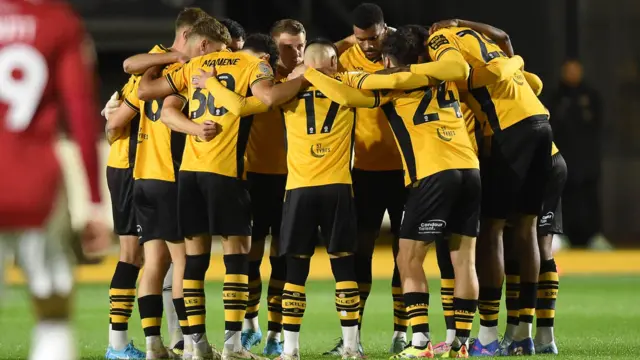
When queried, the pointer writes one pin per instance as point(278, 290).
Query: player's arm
point(343, 94)
point(119, 119)
point(75, 69)
point(269, 93)
point(534, 81)
point(235, 103)
point(499, 36)
point(155, 86)
point(398, 81)
point(448, 64)
point(497, 70)
point(138, 64)
point(174, 118)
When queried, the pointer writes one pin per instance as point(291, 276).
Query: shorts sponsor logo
point(434, 226)
point(547, 219)
point(139, 229)
point(318, 151)
point(445, 134)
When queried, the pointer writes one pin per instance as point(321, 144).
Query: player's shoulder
point(159, 49)
point(441, 37)
point(349, 57)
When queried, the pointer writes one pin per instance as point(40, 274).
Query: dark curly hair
point(235, 29)
point(367, 15)
point(263, 43)
point(404, 46)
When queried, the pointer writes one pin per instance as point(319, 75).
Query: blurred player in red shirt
point(46, 63)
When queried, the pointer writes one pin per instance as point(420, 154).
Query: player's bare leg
point(273, 345)
point(157, 263)
point(411, 255)
point(490, 269)
point(122, 297)
point(525, 227)
point(548, 284)
point(178, 260)
point(251, 333)
point(198, 250)
point(465, 294)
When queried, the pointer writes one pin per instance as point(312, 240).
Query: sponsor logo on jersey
point(318, 151)
point(445, 134)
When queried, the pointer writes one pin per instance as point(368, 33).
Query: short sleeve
point(261, 71)
point(440, 42)
point(131, 98)
point(178, 79)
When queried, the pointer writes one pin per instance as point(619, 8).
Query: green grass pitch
point(598, 317)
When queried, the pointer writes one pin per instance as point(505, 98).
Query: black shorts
point(120, 183)
point(213, 204)
point(330, 207)
point(514, 175)
point(376, 192)
point(156, 204)
point(267, 196)
point(550, 219)
point(445, 202)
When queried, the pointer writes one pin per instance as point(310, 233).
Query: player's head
point(238, 35)
point(369, 29)
point(421, 33)
point(401, 48)
point(206, 36)
point(572, 72)
point(290, 36)
point(262, 46)
point(321, 54)
point(186, 19)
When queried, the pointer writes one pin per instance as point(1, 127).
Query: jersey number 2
point(443, 103)
point(309, 97)
point(23, 78)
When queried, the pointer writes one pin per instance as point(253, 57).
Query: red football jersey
point(45, 65)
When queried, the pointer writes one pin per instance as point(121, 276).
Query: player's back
point(319, 139)
point(34, 40)
point(224, 154)
point(501, 104)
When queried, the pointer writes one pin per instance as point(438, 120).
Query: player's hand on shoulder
point(200, 80)
point(208, 130)
point(112, 105)
point(96, 236)
point(297, 72)
point(443, 24)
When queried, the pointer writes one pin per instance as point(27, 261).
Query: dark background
point(603, 34)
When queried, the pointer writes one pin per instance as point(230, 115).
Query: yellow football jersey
point(225, 154)
point(319, 138)
point(500, 105)
point(266, 152)
point(474, 128)
point(375, 148)
point(430, 131)
point(159, 150)
point(122, 152)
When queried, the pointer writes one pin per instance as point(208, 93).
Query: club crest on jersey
point(445, 134)
point(318, 151)
point(438, 41)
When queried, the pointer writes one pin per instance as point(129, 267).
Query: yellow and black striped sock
point(528, 299)
point(364, 279)
point(294, 299)
point(348, 302)
point(418, 310)
point(255, 290)
point(181, 311)
point(122, 295)
point(447, 282)
point(465, 310)
point(400, 317)
point(489, 306)
point(512, 294)
point(150, 307)
point(235, 291)
point(274, 293)
point(193, 287)
point(548, 284)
